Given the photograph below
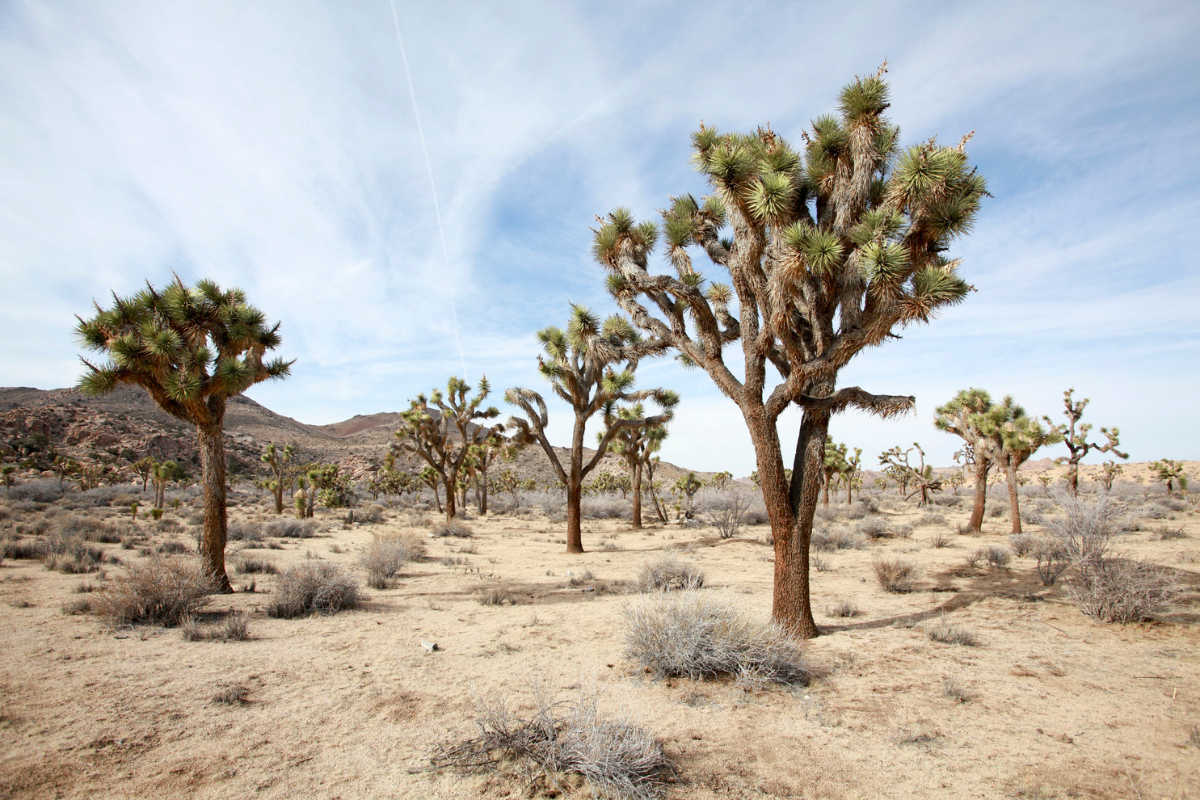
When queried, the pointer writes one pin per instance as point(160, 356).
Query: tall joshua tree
point(830, 250)
point(441, 429)
point(581, 364)
point(276, 461)
point(633, 443)
point(956, 417)
point(191, 349)
point(1074, 436)
point(1169, 473)
point(1010, 437)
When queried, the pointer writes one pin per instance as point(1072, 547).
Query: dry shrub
point(88, 529)
point(161, 591)
point(239, 531)
point(946, 633)
point(1088, 527)
point(605, 507)
point(1023, 544)
point(701, 635)
point(290, 528)
point(234, 628)
point(371, 515)
point(21, 550)
point(1123, 591)
point(844, 608)
point(496, 597)
point(876, 528)
point(725, 510)
point(858, 510)
point(1052, 559)
point(454, 527)
point(940, 539)
point(836, 539)
point(313, 586)
point(386, 555)
point(70, 554)
point(895, 574)
point(665, 574)
point(255, 566)
point(930, 518)
point(558, 740)
point(232, 695)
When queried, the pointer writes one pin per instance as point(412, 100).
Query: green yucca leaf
point(269, 338)
point(554, 341)
point(126, 351)
point(705, 139)
point(161, 344)
point(98, 380)
point(604, 246)
point(864, 98)
point(884, 263)
point(720, 294)
point(731, 165)
point(683, 206)
point(617, 284)
point(91, 335)
point(277, 368)
point(829, 137)
point(782, 159)
point(685, 361)
point(726, 242)
point(794, 235)
point(583, 323)
point(618, 327)
point(714, 207)
point(679, 230)
point(617, 382)
point(770, 198)
point(951, 216)
point(209, 290)
point(934, 286)
point(887, 138)
point(647, 234)
point(622, 219)
point(822, 250)
point(692, 279)
point(551, 370)
point(666, 399)
point(182, 386)
point(233, 372)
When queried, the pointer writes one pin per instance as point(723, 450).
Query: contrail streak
point(432, 186)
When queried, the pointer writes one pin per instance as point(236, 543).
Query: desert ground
point(1046, 703)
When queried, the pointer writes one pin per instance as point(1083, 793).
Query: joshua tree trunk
point(437, 498)
point(574, 532)
point(825, 485)
point(849, 491)
point(278, 490)
point(1013, 502)
point(637, 496)
point(212, 466)
point(481, 493)
point(982, 465)
point(451, 494)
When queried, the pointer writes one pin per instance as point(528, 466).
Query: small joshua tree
point(687, 486)
point(143, 468)
point(632, 443)
point(921, 476)
point(1109, 471)
point(1074, 436)
point(1010, 437)
point(829, 250)
point(276, 461)
point(7, 472)
point(191, 349)
point(1169, 473)
point(834, 464)
point(441, 430)
point(582, 369)
point(960, 417)
point(161, 475)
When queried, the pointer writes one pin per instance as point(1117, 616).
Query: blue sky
point(274, 146)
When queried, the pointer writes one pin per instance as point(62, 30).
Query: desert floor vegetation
point(266, 693)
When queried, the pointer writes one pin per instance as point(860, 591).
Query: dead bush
point(725, 510)
point(1088, 527)
point(667, 573)
point(313, 586)
point(836, 539)
point(1052, 559)
point(290, 528)
point(940, 539)
point(946, 633)
point(559, 740)
point(1123, 591)
point(70, 554)
point(895, 574)
point(386, 555)
point(455, 527)
point(844, 608)
point(1023, 544)
point(371, 515)
point(239, 531)
point(161, 591)
point(701, 635)
point(234, 628)
point(876, 528)
point(255, 566)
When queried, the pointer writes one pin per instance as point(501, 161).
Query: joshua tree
point(834, 464)
point(7, 472)
point(483, 453)
point(276, 460)
point(632, 442)
point(956, 480)
point(581, 369)
point(191, 349)
point(831, 251)
point(442, 428)
point(1109, 471)
point(920, 476)
point(1169, 472)
point(687, 486)
point(430, 477)
point(162, 474)
point(1075, 438)
point(957, 417)
point(1010, 437)
point(850, 474)
point(64, 466)
point(143, 469)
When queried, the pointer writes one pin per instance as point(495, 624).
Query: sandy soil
point(352, 705)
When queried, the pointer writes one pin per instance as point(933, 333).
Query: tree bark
point(451, 480)
point(982, 465)
point(278, 494)
point(574, 531)
point(1013, 501)
point(791, 604)
point(212, 466)
point(637, 496)
point(1073, 477)
point(481, 492)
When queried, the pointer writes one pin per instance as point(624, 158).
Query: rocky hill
point(117, 429)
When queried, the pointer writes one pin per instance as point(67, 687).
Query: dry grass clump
point(700, 635)
point(16, 549)
point(667, 573)
point(1052, 559)
point(290, 528)
point(496, 597)
point(946, 633)
point(836, 539)
point(371, 515)
point(992, 555)
point(725, 510)
point(70, 554)
point(1023, 544)
point(895, 574)
point(239, 531)
point(876, 528)
point(931, 518)
point(161, 591)
point(313, 586)
point(940, 539)
point(844, 608)
point(560, 744)
point(386, 555)
point(234, 628)
point(232, 695)
point(455, 527)
point(1123, 591)
point(248, 565)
